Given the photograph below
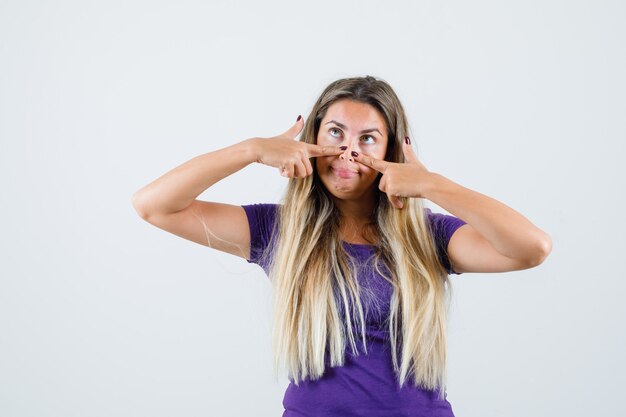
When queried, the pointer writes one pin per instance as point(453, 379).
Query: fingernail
point(355, 154)
point(343, 148)
point(407, 140)
point(299, 117)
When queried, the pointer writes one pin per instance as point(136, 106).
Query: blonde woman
point(358, 266)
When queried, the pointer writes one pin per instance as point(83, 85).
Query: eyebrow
point(341, 125)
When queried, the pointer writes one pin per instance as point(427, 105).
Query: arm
point(496, 238)
point(178, 188)
point(170, 203)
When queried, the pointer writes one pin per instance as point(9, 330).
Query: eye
point(332, 128)
point(371, 141)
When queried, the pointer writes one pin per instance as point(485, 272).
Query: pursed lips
point(345, 172)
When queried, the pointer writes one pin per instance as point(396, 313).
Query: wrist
point(432, 184)
point(251, 148)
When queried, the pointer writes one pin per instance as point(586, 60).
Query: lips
point(345, 172)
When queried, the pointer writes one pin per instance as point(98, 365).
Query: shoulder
point(262, 222)
point(443, 223)
point(261, 215)
point(442, 227)
point(266, 209)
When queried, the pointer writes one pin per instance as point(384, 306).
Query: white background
point(103, 314)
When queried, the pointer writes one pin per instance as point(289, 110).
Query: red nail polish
point(343, 148)
point(355, 154)
point(299, 117)
point(407, 140)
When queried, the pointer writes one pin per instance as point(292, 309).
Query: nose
point(347, 151)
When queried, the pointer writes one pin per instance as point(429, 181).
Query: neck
point(355, 211)
point(356, 219)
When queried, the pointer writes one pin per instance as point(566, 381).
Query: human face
point(361, 128)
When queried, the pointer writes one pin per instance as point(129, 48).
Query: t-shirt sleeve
point(443, 226)
point(261, 218)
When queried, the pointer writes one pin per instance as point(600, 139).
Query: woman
point(351, 251)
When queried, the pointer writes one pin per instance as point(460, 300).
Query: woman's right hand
point(290, 156)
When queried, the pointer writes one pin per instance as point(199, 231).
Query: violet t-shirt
point(365, 385)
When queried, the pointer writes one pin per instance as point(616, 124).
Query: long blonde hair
point(311, 272)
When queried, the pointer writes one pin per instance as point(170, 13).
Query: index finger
point(379, 165)
point(318, 150)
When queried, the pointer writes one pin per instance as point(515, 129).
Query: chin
point(344, 191)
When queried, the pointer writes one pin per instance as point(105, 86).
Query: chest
point(375, 290)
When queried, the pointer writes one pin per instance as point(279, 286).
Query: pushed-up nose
point(347, 153)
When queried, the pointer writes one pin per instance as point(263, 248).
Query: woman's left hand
point(408, 179)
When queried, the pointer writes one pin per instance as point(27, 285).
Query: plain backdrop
point(103, 314)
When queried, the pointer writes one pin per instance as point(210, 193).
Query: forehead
point(355, 115)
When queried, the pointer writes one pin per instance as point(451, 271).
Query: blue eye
point(371, 142)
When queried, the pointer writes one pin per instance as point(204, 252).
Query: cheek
point(320, 163)
point(380, 152)
point(369, 172)
point(323, 164)
point(323, 141)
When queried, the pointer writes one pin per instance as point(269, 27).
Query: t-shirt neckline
point(359, 245)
